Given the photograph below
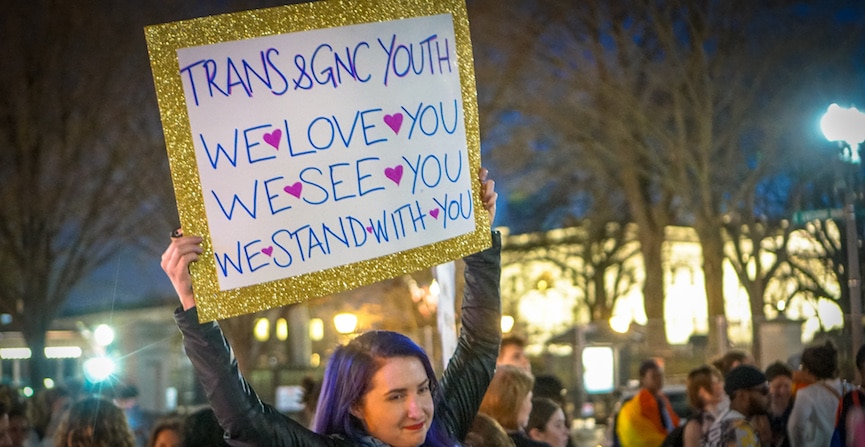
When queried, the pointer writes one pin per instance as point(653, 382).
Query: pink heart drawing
point(394, 173)
point(394, 122)
point(369, 230)
point(294, 189)
point(434, 213)
point(267, 250)
point(273, 138)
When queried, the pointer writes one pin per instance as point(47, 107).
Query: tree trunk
point(651, 246)
point(758, 317)
point(712, 245)
point(39, 368)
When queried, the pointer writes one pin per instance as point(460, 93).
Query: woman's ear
point(356, 411)
point(535, 433)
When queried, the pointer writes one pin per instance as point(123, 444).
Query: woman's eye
point(423, 389)
point(396, 396)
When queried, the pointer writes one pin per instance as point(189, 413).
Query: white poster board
point(319, 159)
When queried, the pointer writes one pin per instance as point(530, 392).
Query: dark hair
point(487, 432)
point(542, 410)
point(821, 360)
point(700, 378)
point(515, 340)
point(201, 429)
point(164, 424)
point(548, 385)
point(648, 365)
point(778, 369)
point(94, 422)
point(348, 377)
point(726, 362)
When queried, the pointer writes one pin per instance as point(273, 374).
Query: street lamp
point(847, 126)
point(345, 322)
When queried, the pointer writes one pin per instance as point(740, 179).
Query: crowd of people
point(736, 404)
point(73, 417)
point(380, 390)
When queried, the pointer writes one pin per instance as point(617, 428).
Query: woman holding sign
point(378, 390)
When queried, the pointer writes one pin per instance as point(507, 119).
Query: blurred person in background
point(487, 432)
point(45, 410)
point(780, 377)
point(94, 422)
point(547, 423)
point(5, 439)
point(201, 429)
point(731, 359)
point(705, 389)
point(646, 419)
point(139, 420)
point(850, 419)
point(549, 386)
point(748, 391)
point(512, 351)
point(19, 428)
point(812, 419)
point(166, 432)
point(509, 401)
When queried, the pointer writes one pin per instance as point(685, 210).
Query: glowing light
point(315, 360)
point(345, 323)
point(103, 335)
point(434, 288)
point(261, 330)
point(27, 391)
point(316, 329)
point(63, 352)
point(98, 369)
point(281, 329)
point(15, 353)
point(620, 323)
point(48, 383)
point(598, 369)
point(847, 125)
point(507, 323)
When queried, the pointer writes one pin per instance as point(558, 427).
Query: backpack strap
point(833, 390)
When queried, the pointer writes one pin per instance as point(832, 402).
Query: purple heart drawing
point(394, 122)
point(294, 189)
point(273, 138)
point(394, 173)
point(434, 213)
point(369, 230)
point(267, 250)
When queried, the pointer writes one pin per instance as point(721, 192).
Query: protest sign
point(320, 147)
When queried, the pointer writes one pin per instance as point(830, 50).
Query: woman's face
point(717, 391)
point(167, 438)
point(524, 411)
point(555, 431)
point(398, 408)
point(780, 391)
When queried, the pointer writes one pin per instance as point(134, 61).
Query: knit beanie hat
point(743, 377)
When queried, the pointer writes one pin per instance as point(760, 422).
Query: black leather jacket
point(248, 421)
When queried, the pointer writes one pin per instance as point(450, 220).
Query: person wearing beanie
point(749, 396)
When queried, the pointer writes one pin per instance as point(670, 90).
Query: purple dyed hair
point(348, 377)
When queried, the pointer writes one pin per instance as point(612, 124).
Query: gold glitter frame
point(164, 40)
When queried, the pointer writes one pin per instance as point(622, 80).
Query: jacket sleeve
point(247, 420)
point(473, 364)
